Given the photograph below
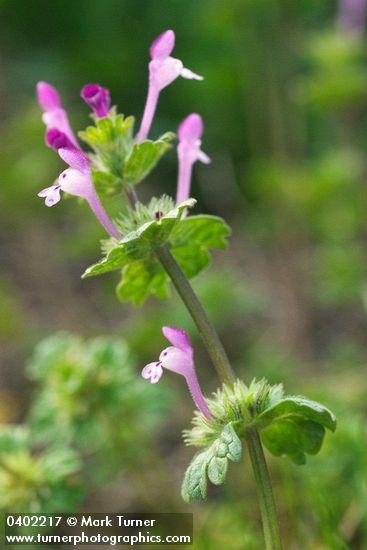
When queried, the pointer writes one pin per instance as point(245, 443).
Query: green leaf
point(294, 438)
point(295, 426)
point(140, 279)
point(290, 407)
point(211, 463)
point(206, 231)
point(195, 483)
point(112, 142)
point(108, 130)
point(230, 438)
point(191, 259)
point(106, 184)
point(188, 238)
point(144, 156)
point(116, 259)
point(138, 245)
point(288, 425)
point(227, 447)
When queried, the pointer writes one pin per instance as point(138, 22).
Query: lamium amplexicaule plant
point(160, 242)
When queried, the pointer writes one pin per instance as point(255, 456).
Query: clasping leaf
point(211, 463)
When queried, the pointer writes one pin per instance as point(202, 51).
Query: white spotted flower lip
point(178, 358)
point(152, 372)
point(163, 70)
point(77, 180)
point(51, 194)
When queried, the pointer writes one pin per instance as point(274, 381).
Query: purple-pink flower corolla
point(55, 117)
point(77, 180)
point(189, 151)
point(97, 98)
point(178, 358)
point(163, 69)
point(58, 140)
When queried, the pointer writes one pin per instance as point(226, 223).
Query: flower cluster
point(78, 179)
point(117, 154)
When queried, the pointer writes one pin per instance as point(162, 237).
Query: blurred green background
point(284, 103)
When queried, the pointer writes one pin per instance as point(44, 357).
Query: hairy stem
point(207, 331)
point(220, 360)
point(265, 492)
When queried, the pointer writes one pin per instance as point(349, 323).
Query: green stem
point(265, 492)
point(220, 360)
point(207, 331)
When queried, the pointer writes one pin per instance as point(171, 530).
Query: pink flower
point(58, 140)
point(163, 69)
point(54, 115)
point(189, 151)
point(178, 358)
point(77, 180)
point(97, 98)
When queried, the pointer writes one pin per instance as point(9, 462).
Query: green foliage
point(83, 387)
point(149, 227)
point(89, 404)
point(291, 426)
point(338, 75)
point(294, 427)
point(144, 156)
point(118, 161)
point(36, 481)
point(211, 463)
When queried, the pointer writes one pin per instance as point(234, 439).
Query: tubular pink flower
point(77, 180)
point(54, 115)
point(97, 98)
point(163, 69)
point(178, 358)
point(190, 132)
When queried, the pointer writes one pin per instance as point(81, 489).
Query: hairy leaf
point(291, 407)
point(211, 463)
point(188, 238)
point(295, 426)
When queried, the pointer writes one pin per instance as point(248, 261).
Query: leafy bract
point(211, 463)
point(117, 160)
point(188, 238)
point(144, 156)
point(288, 425)
point(295, 426)
point(139, 244)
